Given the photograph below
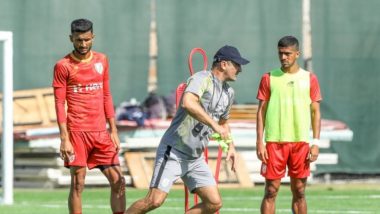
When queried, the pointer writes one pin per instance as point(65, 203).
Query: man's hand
point(261, 152)
point(113, 133)
point(313, 155)
point(66, 150)
point(223, 132)
point(115, 140)
point(231, 155)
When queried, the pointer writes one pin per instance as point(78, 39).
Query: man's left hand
point(313, 154)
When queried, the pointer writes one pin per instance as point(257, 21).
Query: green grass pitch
point(328, 199)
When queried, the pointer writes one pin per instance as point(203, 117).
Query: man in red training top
point(82, 79)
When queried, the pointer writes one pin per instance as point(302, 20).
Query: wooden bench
point(33, 108)
point(243, 112)
point(140, 165)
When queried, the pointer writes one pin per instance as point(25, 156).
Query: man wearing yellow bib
point(289, 100)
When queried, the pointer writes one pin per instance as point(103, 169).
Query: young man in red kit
point(82, 79)
point(289, 106)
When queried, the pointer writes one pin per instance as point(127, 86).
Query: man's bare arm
point(191, 104)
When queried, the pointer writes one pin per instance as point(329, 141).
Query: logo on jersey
point(88, 87)
point(99, 67)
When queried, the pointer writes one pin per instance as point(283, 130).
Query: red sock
point(118, 213)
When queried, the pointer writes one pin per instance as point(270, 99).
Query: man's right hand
point(222, 131)
point(66, 150)
point(261, 152)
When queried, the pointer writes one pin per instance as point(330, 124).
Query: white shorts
point(168, 168)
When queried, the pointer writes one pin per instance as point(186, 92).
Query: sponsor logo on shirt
point(88, 87)
point(99, 67)
point(290, 84)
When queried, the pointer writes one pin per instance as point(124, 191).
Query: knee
point(299, 193)
point(153, 203)
point(78, 188)
point(118, 185)
point(78, 185)
point(271, 192)
point(214, 206)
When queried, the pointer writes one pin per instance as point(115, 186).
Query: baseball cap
point(230, 53)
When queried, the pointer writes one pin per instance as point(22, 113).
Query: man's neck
point(80, 57)
point(218, 75)
point(291, 70)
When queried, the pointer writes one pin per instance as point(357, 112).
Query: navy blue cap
point(230, 53)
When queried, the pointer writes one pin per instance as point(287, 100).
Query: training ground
point(321, 198)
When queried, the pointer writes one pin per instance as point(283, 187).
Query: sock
point(118, 213)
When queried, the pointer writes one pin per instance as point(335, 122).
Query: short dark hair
point(81, 26)
point(215, 64)
point(288, 41)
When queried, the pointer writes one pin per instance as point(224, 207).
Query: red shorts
point(93, 149)
point(293, 155)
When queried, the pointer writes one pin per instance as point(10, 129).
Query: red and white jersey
point(84, 84)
